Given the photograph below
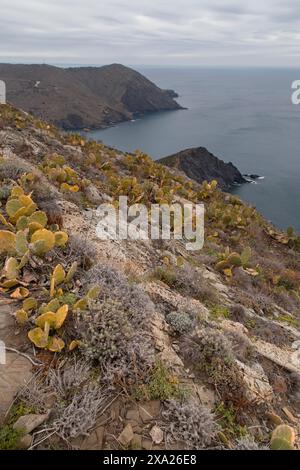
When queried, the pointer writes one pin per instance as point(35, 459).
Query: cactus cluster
point(229, 261)
point(57, 171)
point(25, 229)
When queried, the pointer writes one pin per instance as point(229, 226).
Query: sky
point(151, 32)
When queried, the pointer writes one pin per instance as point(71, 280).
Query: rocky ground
point(156, 347)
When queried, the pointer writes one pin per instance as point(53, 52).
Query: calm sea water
point(241, 115)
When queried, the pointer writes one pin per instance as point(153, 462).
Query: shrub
point(161, 385)
point(83, 250)
point(187, 281)
point(9, 438)
point(105, 332)
point(113, 284)
point(180, 322)
point(219, 312)
point(190, 422)
point(209, 349)
point(248, 443)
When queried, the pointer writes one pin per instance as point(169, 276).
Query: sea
point(242, 115)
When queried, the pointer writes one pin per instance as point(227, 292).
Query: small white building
point(2, 92)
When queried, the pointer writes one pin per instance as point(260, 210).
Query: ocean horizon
point(242, 115)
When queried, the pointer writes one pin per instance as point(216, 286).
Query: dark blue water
point(241, 115)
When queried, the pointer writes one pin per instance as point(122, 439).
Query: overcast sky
point(151, 32)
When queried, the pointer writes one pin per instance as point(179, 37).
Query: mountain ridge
point(83, 97)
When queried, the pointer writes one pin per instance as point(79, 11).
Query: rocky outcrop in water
point(201, 165)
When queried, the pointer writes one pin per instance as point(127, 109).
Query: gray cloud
point(188, 32)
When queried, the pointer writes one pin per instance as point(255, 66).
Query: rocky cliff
point(85, 97)
point(201, 165)
point(138, 344)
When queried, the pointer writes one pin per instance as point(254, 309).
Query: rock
point(93, 194)
point(13, 376)
point(133, 415)
point(28, 423)
point(94, 441)
point(25, 442)
point(157, 435)
point(136, 442)
point(256, 382)
point(149, 410)
point(206, 396)
point(8, 326)
point(274, 418)
point(126, 436)
point(147, 444)
point(201, 165)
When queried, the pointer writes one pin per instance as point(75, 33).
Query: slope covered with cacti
point(138, 344)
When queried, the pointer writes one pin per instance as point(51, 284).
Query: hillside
point(85, 97)
point(139, 345)
point(201, 165)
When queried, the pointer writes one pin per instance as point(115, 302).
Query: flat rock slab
point(13, 376)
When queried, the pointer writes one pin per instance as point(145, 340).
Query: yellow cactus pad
point(20, 213)
point(61, 238)
point(46, 237)
point(21, 243)
point(22, 223)
point(13, 206)
point(39, 217)
point(80, 304)
point(30, 304)
point(38, 337)
point(71, 272)
point(93, 293)
point(7, 242)
point(74, 344)
point(61, 315)
point(52, 306)
point(21, 317)
point(20, 293)
point(25, 200)
point(16, 192)
point(48, 317)
point(9, 283)
point(55, 344)
point(31, 209)
point(58, 274)
point(11, 270)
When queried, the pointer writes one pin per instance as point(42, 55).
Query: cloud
point(191, 32)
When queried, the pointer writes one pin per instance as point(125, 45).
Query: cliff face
point(201, 165)
point(172, 348)
point(75, 98)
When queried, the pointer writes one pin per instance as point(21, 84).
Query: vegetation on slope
point(159, 324)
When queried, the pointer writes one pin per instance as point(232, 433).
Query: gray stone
point(136, 442)
point(147, 444)
point(28, 423)
point(13, 376)
point(126, 435)
point(157, 435)
point(94, 441)
point(133, 415)
point(25, 442)
point(149, 410)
